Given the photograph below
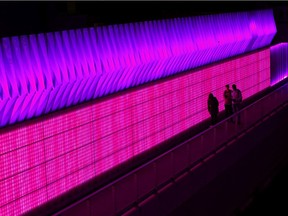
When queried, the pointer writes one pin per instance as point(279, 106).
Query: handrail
point(201, 134)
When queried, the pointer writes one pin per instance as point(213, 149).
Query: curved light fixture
point(46, 72)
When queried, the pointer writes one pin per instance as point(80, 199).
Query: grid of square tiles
point(47, 158)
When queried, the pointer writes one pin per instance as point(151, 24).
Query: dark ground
point(273, 200)
point(269, 197)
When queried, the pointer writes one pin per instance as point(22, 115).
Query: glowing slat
point(279, 62)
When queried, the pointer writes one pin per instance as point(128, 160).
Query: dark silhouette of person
point(236, 100)
point(213, 108)
point(228, 102)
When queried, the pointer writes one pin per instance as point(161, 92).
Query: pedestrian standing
point(236, 100)
point(213, 108)
point(228, 102)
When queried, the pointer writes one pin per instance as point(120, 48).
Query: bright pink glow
point(46, 158)
point(252, 26)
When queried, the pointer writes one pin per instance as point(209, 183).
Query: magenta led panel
point(279, 62)
point(53, 154)
point(46, 72)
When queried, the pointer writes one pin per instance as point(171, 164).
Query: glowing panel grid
point(279, 62)
point(48, 157)
point(46, 72)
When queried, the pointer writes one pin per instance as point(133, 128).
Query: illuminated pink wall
point(45, 158)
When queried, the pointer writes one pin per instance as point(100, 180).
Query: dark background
point(22, 18)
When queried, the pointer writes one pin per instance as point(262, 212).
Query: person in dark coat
point(228, 101)
point(213, 108)
point(237, 100)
